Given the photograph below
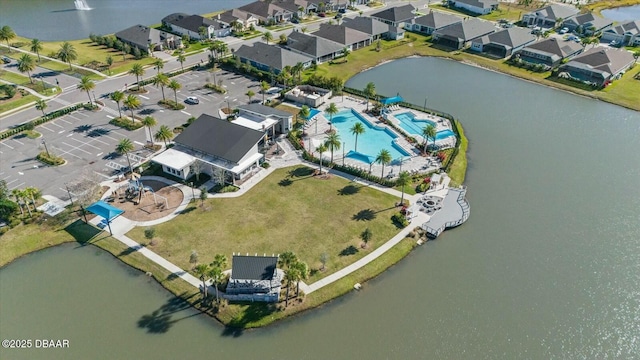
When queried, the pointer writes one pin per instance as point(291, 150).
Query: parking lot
point(87, 141)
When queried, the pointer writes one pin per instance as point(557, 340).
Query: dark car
point(342, 11)
point(6, 60)
point(295, 20)
point(338, 16)
point(322, 14)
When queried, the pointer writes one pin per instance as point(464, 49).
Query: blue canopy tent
point(392, 100)
point(105, 211)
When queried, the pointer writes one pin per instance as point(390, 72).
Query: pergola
point(105, 211)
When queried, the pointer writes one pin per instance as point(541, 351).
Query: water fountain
point(81, 5)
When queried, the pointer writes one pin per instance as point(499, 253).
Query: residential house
point(319, 49)
point(237, 16)
point(625, 34)
point(264, 118)
point(375, 28)
point(461, 34)
point(396, 16)
point(196, 26)
point(504, 43)
point(549, 16)
point(308, 95)
point(431, 22)
point(550, 51)
point(219, 146)
point(348, 37)
point(148, 39)
point(254, 278)
point(480, 7)
point(598, 65)
point(270, 57)
point(270, 11)
point(587, 24)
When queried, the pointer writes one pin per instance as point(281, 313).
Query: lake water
point(59, 19)
point(622, 13)
point(546, 267)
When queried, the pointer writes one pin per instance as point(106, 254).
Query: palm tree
point(219, 261)
point(250, 94)
point(370, 92)
point(138, 71)
point(26, 65)
point(175, 86)
point(356, 130)
point(41, 105)
point(202, 271)
point(283, 39)
point(286, 259)
point(297, 69)
point(36, 47)
point(321, 149)
point(7, 34)
point(345, 53)
point(158, 64)
point(301, 273)
point(264, 87)
point(161, 80)
point(366, 236)
point(403, 179)
point(429, 132)
point(164, 134)
point(132, 103)
point(109, 61)
point(383, 158)
point(123, 147)
point(304, 29)
point(332, 109)
point(182, 59)
point(117, 96)
point(332, 143)
point(17, 193)
point(304, 113)
point(216, 275)
point(149, 122)
point(86, 84)
point(290, 275)
point(67, 53)
point(267, 37)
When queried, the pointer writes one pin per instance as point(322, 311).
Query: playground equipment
point(135, 190)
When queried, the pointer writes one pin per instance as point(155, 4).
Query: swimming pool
point(370, 142)
point(312, 113)
point(444, 134)
point(411, 125)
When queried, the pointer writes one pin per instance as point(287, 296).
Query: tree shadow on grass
point(349, 190)
point(364, 215)
point(301, 172)
point(130, 250)
point(252, 312)
point(350, 250)
point(161, 320)
point(188, 210)
point(285, 182)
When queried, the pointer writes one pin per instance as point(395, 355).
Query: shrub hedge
point(33, 123)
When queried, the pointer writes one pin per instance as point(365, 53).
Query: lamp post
point(228, 106)
point(69, 192)
point(193, 194)
point(425, 104)
point(45, 147)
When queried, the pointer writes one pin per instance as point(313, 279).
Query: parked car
point(564, 30)
point(295, 20)
point(614, 43)
point(342, 11)
point(6, 60)
point(338, 16)
point(322, 14)
point(192, 100)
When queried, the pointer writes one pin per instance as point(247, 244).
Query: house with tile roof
point(479, 7)
point(459, 35)
point(270, 57)
point(503, 43)
point(598, 65)
point(434, 20)
point(549, 15)
point(549, 51)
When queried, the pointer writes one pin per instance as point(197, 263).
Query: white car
point(563, 30)
point(192, 100)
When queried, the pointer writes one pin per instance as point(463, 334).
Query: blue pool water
point(370, 142)
point(312, 113)
point(411, 125)
point(444, 134)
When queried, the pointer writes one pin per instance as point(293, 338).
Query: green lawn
point(298, 213)
point(16, 102)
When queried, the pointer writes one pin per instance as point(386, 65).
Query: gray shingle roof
point(512, 37)
point(555, 11)
point(341, 34)
point(312, 45)
point(468, 30)
point(271, 55)
point(263, 9)
point(437, 20)
point(607, 60)
point(264, 110)
point(631, 27)
point(171, 18)
point(367, 25)
point(554, 46)
point(483, 4)
point(140, 35)
point(219, 138)
point(397, 13)
point(254, 267)
point(233, 15)
point(194, 22)
point(596, 21)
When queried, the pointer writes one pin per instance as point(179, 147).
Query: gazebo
point(391, 100)
point(105, 211)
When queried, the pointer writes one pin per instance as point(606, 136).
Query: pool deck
point(441, 124)
point(414, 163)
point(453, 212)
